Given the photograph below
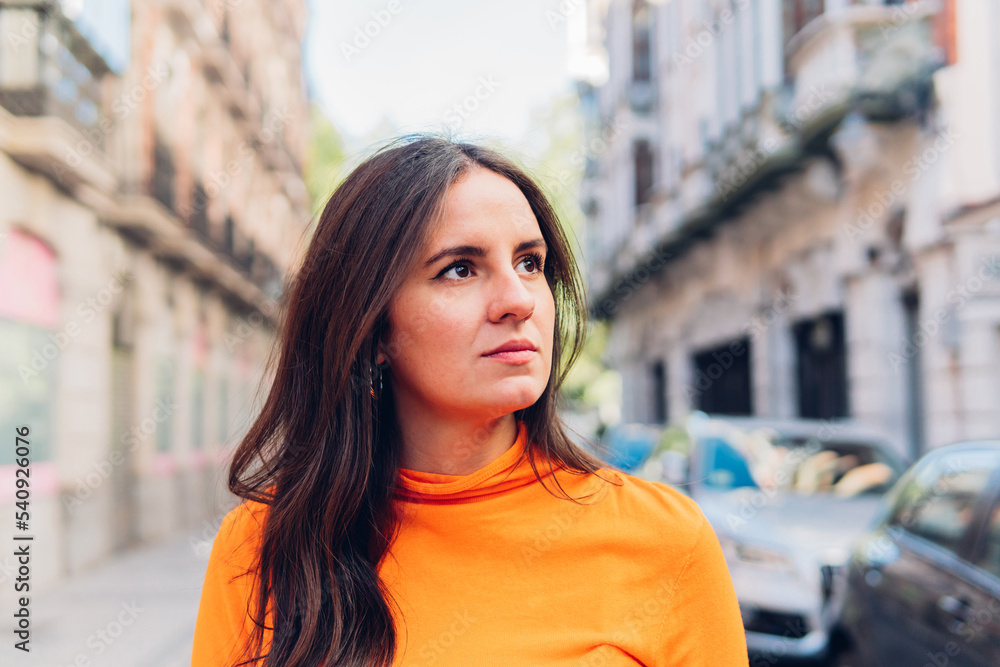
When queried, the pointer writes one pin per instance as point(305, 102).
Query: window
point(162, 182)
point(643, 159)
point(228, 240)
point(198, 212)
point(989, 554)
point(659, 373)
point(939, 501)
point(641, 52)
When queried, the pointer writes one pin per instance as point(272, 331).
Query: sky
point(380, 68)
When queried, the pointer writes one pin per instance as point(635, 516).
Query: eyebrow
point(477, 251)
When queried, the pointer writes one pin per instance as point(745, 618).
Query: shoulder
point(654, 522)
point(228, 592)
point(238, 539)
point(248, 515)
point(661, 505)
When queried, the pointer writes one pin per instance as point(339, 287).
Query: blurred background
point(785, 210)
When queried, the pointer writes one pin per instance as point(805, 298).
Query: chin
point(518, 398)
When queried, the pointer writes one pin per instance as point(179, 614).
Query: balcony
point(50, 97)
point(872, 58)
point(50, 69)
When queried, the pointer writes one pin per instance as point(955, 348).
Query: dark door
point(722, 381)
point(821, 356)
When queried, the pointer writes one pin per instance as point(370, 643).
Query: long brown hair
point(323, 452)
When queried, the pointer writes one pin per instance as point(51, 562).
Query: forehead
point(483, 200)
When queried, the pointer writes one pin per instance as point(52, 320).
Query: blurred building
point(151, 201)
point(794, 210)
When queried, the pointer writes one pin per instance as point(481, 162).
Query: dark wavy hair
point(323, 452)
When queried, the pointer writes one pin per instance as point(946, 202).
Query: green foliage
point(324, 158)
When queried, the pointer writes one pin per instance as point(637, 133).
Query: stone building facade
point(794, 211)
point(151, 203)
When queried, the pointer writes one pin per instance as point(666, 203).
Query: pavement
point(136, 610)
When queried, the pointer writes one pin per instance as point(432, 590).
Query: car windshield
point(805, 466)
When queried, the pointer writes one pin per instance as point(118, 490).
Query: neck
point(450, 447)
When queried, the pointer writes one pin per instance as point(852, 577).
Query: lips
point(513, 346)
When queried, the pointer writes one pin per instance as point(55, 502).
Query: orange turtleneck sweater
point(491, 569)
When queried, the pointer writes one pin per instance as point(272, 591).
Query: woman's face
point(477, 285)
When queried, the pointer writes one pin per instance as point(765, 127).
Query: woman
point(411, 496)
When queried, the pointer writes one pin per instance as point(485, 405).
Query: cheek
point(424, 333)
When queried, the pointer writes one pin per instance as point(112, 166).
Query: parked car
point(923, 587)
point(787, 499)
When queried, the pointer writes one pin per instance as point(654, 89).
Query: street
point(135, 609)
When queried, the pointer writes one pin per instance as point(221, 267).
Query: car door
point(977, 596)
point(919, 589)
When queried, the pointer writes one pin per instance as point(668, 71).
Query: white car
point(787, 499)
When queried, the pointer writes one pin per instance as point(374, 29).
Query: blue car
point(629, 445)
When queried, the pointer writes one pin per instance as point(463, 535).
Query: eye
point(461, 264)
point(536, 260)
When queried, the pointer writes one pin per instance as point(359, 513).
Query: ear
point(381, 333)
point(381, 356)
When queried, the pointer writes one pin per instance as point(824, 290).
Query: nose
point(511, 296)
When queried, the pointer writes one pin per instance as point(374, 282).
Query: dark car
point(923, 587)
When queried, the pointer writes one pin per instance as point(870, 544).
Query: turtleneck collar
point(508, 471)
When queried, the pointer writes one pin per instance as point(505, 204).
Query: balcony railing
point(47, 68)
